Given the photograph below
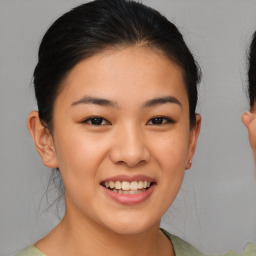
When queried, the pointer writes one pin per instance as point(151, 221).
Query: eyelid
point(89, 119)
point(168, 120)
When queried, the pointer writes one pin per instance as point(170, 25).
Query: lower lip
point(130, 199)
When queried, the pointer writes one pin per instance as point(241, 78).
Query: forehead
point(128, 71)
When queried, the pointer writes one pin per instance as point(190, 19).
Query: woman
point(249, 118)
point(116, 88)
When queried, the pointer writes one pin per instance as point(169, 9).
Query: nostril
point(130, 160)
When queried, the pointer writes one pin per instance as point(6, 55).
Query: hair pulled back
point(98, 25)
point(252, 71)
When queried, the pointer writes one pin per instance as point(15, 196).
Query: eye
point(160, 120)
point(96, 120)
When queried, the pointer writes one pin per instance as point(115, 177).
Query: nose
point(129, 147)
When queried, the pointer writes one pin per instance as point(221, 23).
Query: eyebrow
point(109, 103)
point(94, 100)
point(161, 100)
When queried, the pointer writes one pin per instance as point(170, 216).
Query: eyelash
point(99, 121)
point(165, 120)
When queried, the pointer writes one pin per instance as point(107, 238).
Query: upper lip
point(130, 178)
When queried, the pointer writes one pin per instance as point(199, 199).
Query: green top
point(31, 251)
point(249, 250)
point(181, 248)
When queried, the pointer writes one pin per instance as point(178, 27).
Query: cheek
point(79, 158)
point(171, 150)
point(252, 138)
point(78, 154)
point(171, 156)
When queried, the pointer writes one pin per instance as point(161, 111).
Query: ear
point(249, 120)
point(42, 139)
point(193, 140)
point(246, 119)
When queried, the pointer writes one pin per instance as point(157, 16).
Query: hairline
point(113, 48)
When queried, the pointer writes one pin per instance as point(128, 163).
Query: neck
point(75, 236)
point(97, 240)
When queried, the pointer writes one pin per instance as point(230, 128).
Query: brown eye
point(96, 120)
point(160, 120)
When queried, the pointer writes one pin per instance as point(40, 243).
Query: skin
point(249, 120)
point(128, 142)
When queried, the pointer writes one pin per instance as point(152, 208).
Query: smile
point(126, 187)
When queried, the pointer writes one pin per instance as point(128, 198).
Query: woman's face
point(122, 138)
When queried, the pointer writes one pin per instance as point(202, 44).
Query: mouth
point(126, 187)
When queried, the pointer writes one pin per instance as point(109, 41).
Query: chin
point(130, 229)
point(131, 225)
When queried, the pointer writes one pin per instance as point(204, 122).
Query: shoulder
point(249, 250)
point(30, 251)
point(181, 247)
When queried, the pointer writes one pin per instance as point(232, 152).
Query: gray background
point(216, 207)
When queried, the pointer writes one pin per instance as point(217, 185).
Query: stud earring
point(189, 164)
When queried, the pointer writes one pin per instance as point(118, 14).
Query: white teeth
point(134, 185)
point(118, 185)
point(126, 186)
point(140, 185)
point(111, 184)
point(128, 192)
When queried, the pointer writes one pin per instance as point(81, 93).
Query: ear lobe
point(42, 139)
point(193, 140)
